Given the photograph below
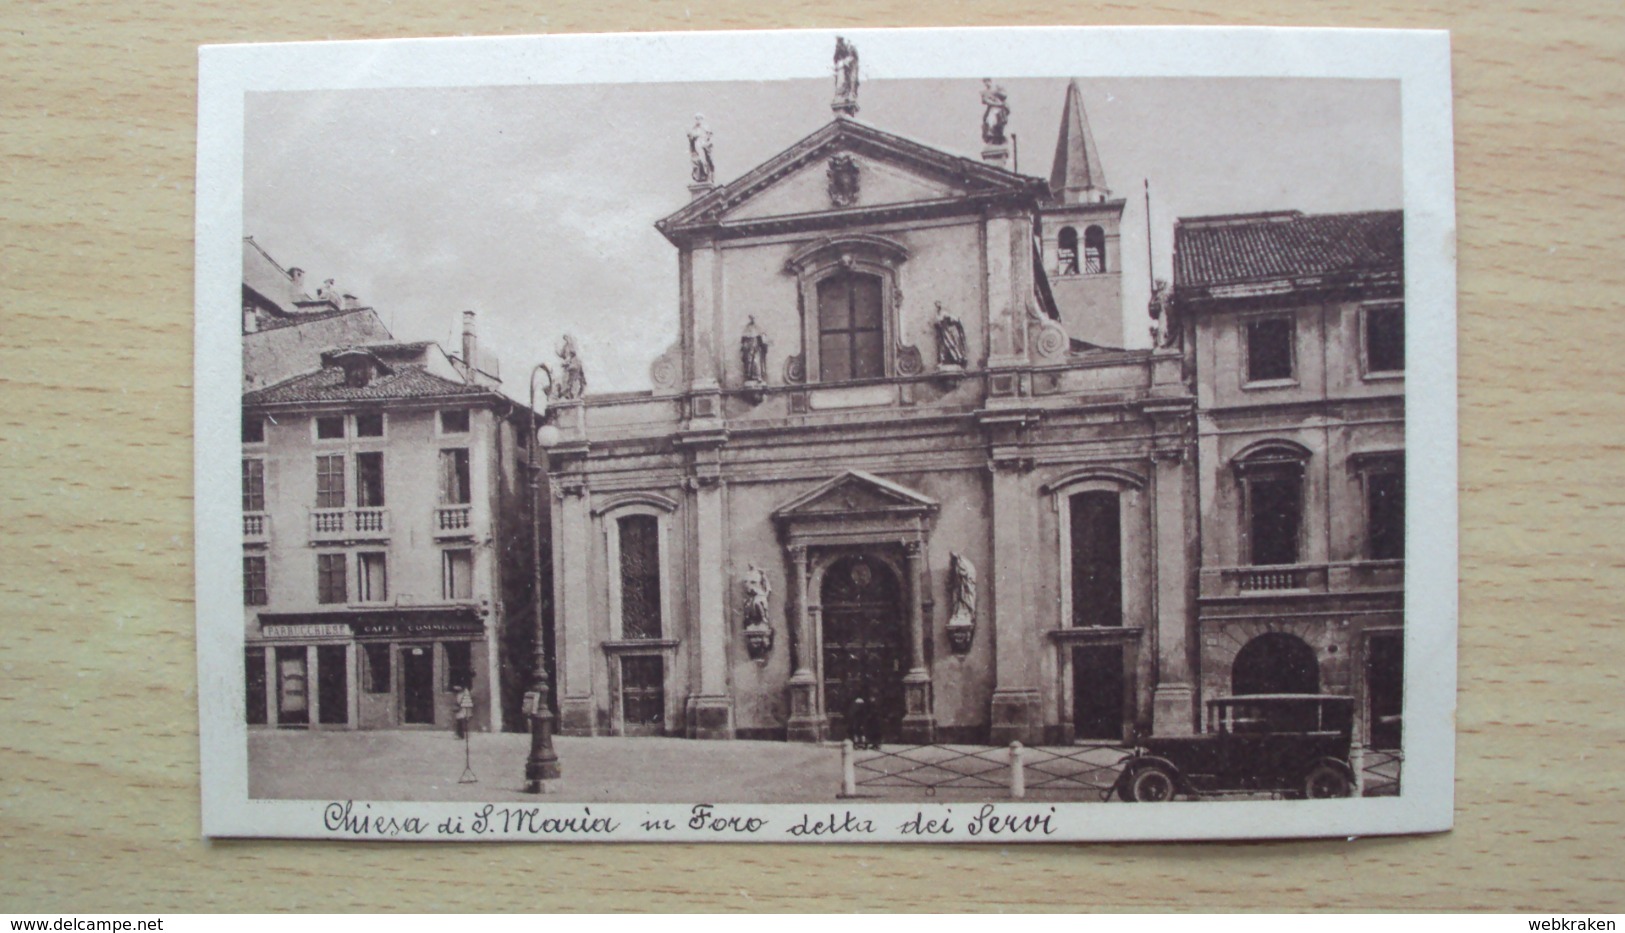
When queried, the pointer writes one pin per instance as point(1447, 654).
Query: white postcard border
point(1420, 60)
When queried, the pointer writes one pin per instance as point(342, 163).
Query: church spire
point(1077, 177)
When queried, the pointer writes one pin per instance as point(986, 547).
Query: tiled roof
point(1285, 244)
point(327, 385)
point(270, 322)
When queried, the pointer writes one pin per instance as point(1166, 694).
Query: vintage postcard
point(967, 435)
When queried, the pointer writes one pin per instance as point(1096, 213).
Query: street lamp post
point(543, 763)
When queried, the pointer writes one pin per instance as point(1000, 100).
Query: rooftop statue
point(703, 170)
point(572, 384)
point(846, 76)
point(1164, 329)
point(995, 113)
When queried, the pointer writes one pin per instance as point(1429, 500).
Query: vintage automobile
point(1289, 744)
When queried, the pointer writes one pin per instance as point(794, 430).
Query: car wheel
point(1325, 781)
point(1152, 784)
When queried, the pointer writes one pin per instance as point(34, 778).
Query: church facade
point(896, 474)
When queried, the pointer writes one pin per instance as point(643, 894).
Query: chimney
point(351, 302)
point(296, 277)
point(470, 344)
point(251, 320)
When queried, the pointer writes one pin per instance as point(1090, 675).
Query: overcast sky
point(535, 206)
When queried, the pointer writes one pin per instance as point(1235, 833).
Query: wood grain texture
point(98, 747)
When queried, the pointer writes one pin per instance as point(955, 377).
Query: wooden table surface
point(98, 725)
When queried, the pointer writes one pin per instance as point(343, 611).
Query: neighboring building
point(1297, 325)
point(886, 458)
point(286, 329)
point(386, 531)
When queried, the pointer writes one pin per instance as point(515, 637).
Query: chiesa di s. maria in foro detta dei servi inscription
point(896, 460)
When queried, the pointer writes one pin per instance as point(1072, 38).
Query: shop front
point(390, 669)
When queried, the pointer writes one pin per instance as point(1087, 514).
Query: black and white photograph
point(876, 435)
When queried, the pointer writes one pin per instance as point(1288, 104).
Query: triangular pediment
point(878, 181)
point(855, 493)
point(890, 171)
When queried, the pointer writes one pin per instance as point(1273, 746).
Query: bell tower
point(1082, 233)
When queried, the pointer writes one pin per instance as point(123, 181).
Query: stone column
point(1017, 709)
point(806, 724)
point(710, 710)
point(1173, 702)
point(352, 680)
point(572, 619)
point(313, 695)
point(919, 724)
point(273, 686)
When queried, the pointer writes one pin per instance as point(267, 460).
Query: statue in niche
point(753, 353)
point(757, 591)
point(572, 384)
point(1164, 329)
point(846, 73)
point(995, 113)
point(703, 170)
point(950, 339)
point(962, 602)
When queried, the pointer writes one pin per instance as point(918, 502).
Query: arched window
point(850, 328)
point(1271, 476)
point(638, 551)
point(1275, 663)
point(1094, 250)
point(1097, 558)
point(1066, 250)
point(639, 537)
point(848, 287)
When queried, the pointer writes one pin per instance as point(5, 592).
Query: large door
point(1097, 692)
point(865, 644)
point(643, 695)
point(332, 684)
point(1385, 683)
point(417, 684)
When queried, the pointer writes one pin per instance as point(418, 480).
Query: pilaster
point(805, 724)
point(704, 293)
point(1017, 710)
point(919, 723)
point(572, 583)
point(710, 709)
point(1174, 698)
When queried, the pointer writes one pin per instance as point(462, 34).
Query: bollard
point(1018, 772)
point(849, 770)
point(1357, 765)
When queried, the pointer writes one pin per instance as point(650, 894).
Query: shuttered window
point(330, 481)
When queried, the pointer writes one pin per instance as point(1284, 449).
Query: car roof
point(1273, 697)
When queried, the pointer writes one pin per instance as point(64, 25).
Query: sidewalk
point(411, 765)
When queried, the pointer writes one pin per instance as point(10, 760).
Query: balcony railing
point(453, 520)
point(348, 524)
point(1269, 578)
point(256, 526)
point(1342, 576)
